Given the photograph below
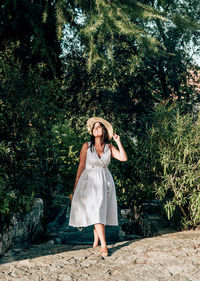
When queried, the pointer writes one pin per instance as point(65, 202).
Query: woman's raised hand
point(119, 153)
point(116, 137)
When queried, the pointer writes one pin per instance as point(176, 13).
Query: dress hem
point(93, 224)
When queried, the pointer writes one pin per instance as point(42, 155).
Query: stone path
point(174, 256)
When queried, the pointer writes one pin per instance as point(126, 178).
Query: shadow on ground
point(35, 251)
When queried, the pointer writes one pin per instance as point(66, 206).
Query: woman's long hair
point(105, 136)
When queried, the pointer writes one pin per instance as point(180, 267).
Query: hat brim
point(91, 121)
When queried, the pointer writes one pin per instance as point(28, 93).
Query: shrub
point(163, 163)
point(178, 138)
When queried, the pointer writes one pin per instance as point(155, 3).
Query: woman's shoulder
point(85, 145)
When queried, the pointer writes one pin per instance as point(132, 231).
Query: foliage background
point(130, 62)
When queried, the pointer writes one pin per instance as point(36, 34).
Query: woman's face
point(97, 130)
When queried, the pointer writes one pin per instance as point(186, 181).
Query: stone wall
point(28, 228)
point(148, 222)
point(24, 228)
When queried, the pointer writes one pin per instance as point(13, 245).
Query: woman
point(94, 195)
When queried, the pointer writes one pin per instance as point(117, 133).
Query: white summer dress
point(94, 199)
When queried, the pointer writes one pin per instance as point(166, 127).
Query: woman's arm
point(118, 154)
point(81, 167)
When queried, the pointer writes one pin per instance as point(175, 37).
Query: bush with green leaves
point(29, 107)
point(163, 163)
point(66, 146)
point(178, 139)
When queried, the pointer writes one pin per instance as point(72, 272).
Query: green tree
point(31, 27)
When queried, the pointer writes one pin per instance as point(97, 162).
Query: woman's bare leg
point(96, 238)
point(100, 228)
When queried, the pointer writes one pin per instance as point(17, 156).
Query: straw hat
point(91, 121)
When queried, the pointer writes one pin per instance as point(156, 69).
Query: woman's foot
point(104, 252)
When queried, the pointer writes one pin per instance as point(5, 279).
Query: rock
point(132, 237)
point(151, 207)
point(149, 223)
point(168, 257)
point(23, 229)
point(125, 213)
point(50, 242)
point(53, 235)
point(151, 220)
point(58, 241)
point(59, 220)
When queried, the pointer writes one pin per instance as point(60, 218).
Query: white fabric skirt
point(94, 199)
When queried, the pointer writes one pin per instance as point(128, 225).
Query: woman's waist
point(93, 166)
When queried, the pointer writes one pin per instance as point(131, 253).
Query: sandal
point(80, 228)
point(104, 252)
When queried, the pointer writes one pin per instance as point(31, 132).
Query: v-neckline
point(102, 152)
